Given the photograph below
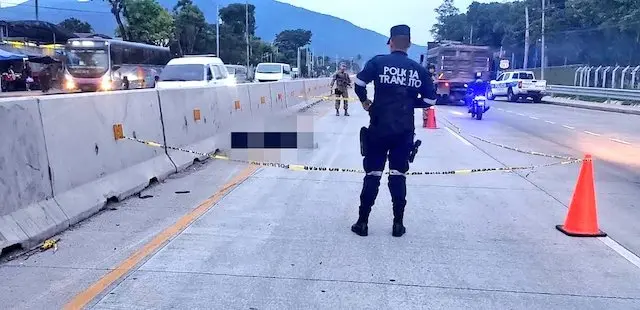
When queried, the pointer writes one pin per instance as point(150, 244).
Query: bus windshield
point(269, 68)
point(89, 63)
point(183, 72)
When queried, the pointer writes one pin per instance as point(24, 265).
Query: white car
point(272, 72)
point(518, 84)
point(194, 71)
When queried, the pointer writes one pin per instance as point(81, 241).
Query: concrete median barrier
point(88, 165)
point(278, 96)
point(61, 161)
point(190, 117)
point(28, 210)
point(260, 97)
point(295, 92)
point(234, 109)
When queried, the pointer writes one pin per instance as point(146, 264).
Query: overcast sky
point(379, 17)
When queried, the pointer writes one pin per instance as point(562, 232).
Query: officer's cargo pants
point(343, 94)
point(397, 149)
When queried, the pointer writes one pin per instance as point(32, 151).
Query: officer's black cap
point(399, 30)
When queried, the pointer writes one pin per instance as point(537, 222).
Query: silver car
point(239, 73)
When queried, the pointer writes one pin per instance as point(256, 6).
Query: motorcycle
point(478, 107)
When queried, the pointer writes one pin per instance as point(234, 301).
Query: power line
point(61, 9)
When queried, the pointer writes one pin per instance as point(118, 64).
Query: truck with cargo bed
point(456, 65)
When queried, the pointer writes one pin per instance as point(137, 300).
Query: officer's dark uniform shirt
point(398, 80)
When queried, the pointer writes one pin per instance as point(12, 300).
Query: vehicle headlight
point(69, 84)
point(465, 85)
point(105, 83)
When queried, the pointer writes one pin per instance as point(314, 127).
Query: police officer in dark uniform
point(398, 82)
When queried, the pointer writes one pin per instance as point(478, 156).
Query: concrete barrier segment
point(89, 166)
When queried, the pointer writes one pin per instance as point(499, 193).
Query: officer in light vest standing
point(398, 81)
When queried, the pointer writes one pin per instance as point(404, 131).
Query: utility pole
point(526, 38)
point(298, 62)
point(246, 8)
point(471, 36)
point(217, 30)
point(543, 59)
point(37, 13)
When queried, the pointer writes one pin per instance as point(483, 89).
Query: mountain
point(331, 35)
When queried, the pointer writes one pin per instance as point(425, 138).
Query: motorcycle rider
point(477, 87)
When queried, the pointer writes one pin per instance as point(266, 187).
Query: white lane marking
point(467, 143)
point(628, 255)
point(592, 133)
point(509, 111)
point(520, 114)
point(550, 122)
point(500, 109)
point(456, 113)
point(568, 127)
point(533, 117)
point(619, 141)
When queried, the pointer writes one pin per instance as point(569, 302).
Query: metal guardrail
point(596, 92)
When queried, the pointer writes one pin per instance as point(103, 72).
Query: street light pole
point(542, 57)
point(217, 29)
point(37, 13)
point(246, 6)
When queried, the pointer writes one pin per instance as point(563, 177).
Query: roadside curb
point(598, 107)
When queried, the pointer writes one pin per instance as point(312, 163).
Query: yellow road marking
point(89, 294)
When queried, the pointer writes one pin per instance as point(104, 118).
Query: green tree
point(451, 25)
point(190, 26)
point(234, 17)
point(75, 25)
point(288, 42)
point(206, 41)
point(233, 42)
point(148, 22)
point(577, 31)
point(117, 8)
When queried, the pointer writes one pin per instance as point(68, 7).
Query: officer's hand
point(366, 104)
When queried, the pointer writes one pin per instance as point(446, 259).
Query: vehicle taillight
point(446, 84)
point(519, 84)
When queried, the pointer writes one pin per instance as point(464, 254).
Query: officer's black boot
point(346, 113)
point(398, 190)
point(360, 227)
point(337, 112)
point(367, 199)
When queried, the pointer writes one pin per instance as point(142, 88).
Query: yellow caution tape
point(459, 130)
point(296, 167)
point(331, 98)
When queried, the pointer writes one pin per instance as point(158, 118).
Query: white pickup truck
point(518, 85)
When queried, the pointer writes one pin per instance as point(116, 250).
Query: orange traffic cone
point(429, 118)
point(582, 219)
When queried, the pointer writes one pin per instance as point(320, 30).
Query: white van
point(193, 71)
point(272, 72)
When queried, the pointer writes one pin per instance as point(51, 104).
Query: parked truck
point(456, 65)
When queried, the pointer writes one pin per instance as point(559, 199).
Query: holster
point(364, 141)
point(414, 151)
point(337, 92)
